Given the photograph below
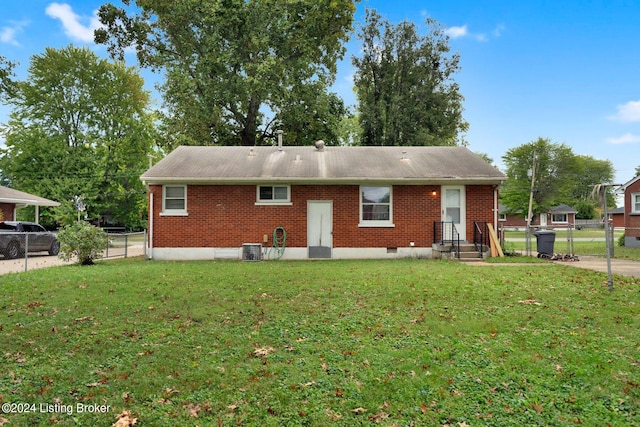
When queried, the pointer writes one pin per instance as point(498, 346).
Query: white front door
point(319, 228)
point(453, 210)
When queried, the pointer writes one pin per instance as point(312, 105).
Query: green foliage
point(80, 126)
point(621, 242)
point(586, 209)
point(82, 241)
point(7, 84)
point(560, 177)
point(237, 70)
point(404, 85)
point(337, 343)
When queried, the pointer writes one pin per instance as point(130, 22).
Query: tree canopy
point(560, 177)
point(237, 70)
point(404, 85)
point(80, 126)
point(7, 84)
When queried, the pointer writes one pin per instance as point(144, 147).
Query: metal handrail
point(439, 236)
point(480, 236)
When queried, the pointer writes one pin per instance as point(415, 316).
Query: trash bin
point(544, 242)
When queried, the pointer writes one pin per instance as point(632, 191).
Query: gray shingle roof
point(218, 164)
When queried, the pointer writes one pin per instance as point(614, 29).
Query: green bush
point(82, 240)
point(621, 240)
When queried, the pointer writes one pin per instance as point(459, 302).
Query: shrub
point(621, 240)
point(83, 241)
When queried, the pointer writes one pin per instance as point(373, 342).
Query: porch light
point(434, 192)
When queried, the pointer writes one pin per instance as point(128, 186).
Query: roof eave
point(28, 202)
point(327, 181)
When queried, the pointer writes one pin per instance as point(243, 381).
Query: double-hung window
point(635, 203)
point(274, 195)
point(174, 200)
point(376, 208)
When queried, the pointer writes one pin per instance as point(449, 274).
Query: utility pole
point(533, 179)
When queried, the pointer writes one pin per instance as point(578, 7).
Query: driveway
point(44, 260)
point(618, 266)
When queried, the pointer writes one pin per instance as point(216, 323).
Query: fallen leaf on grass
point(377, 418)
point(262, 351)
point(529, 302)
point(124, 419)
point(360, 410)
point(3, 421)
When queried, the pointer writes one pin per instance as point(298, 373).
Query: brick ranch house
point(558, 217)
point(632, 213)
point(333, 202)
point(11, 200)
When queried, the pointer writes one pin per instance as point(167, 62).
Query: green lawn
point(344, 343)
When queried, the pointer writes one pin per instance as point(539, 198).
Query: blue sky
point(565, 70)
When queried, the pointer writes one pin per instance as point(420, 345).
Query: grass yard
point(344, 343)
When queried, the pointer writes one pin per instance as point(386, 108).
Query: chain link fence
point(26, 251)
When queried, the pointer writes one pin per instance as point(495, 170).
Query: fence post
point(26, 251)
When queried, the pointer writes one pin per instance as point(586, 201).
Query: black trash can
point(544, 242)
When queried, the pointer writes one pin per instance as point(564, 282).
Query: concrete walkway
point(618, 266)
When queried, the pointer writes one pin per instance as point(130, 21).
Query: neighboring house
point(616, 217)
point(11, 199)
point(561, 216)
point(337, 202)
point(632, 213)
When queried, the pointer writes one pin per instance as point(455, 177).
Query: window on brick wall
point(174, 200)
point(376, 206)
point(273, 195)
point(561, 218)
point(635, 203)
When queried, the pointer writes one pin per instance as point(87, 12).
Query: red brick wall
point(7, 211)
point(631, 221)
point(226, 216)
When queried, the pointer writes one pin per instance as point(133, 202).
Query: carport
point(11, 199)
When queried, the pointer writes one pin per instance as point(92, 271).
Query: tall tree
point(560, 177)
point(7, 84)
point(404, 85)
point(236, 70)
point(80, 126)
point(555, 168)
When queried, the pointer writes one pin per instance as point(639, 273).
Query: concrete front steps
point(468, 252)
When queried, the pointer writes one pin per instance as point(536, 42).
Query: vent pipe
point(279, 132)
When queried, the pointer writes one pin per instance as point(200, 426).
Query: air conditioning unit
point(252, 252)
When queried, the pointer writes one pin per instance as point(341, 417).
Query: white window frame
point(173, 212)
point(635, 203)
point(279, 202)
point(376, 223)
point(554, 221)
point(502, 217)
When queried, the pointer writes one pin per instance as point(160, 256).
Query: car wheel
point(55, 248)
point(13, 250)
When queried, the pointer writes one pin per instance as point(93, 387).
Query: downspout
point(495, 208)
point(150, 255)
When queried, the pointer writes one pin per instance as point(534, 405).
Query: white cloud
point(627, 138)
point(73, 27)
point(629, 112)
point(8, 34)
point(456, 32)
point(463, 31)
